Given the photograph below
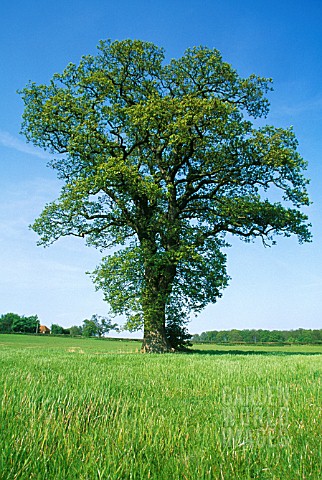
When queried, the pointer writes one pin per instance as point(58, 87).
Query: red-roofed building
point(43, 329)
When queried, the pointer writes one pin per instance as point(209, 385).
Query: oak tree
point(160, 162)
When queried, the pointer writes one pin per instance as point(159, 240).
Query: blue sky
point(275, 288)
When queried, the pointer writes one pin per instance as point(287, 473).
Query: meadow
point(97, 409)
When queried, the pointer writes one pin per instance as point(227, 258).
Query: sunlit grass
point(82, 409)
point(63, 344)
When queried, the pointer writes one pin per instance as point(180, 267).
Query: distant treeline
point(97, 326)
point(300, 335)
point(14, 323)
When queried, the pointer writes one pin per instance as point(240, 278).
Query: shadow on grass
point(248, 352)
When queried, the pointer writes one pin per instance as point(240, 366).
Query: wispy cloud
point(10, 141)
point(311, 105)
point(20, 203)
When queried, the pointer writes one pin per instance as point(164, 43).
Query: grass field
point(96, 409)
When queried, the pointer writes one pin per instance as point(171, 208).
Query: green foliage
point(121, 277)
point(90, 328)
point(178, 335)
point(7, 320)
point(300, 335)
point(14, 323)
point(75, 331)
point(26, 324)
point(56, 329)
point(97, 326)
point(163, 162)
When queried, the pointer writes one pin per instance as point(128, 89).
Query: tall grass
point(81, 409)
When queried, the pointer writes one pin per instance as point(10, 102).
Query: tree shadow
point(250, 352)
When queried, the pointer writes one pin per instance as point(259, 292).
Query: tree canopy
point(160, 161)
point(14, 323)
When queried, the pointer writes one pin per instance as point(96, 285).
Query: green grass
point(95, 409)
point(65, 344)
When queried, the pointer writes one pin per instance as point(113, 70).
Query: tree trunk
point(154, 340)
point(158, 275)
point(158, 285)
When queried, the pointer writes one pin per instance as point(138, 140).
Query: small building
point(44, 330)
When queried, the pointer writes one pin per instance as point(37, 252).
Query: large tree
point(162, 161)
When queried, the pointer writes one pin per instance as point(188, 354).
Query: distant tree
point(90, 328)
point(275, 336)
point(75, 331)
point(235, 336)
point(248, 336)
point(97, 326)
point(261, 336)
point(196, 338)
point(305, 336)
point(222, 336)
point(105, 325)
point(209, 336)
point(56, 329)
point(317, 336)
point(164, 161)
point(7, 320)
point(26, 324)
